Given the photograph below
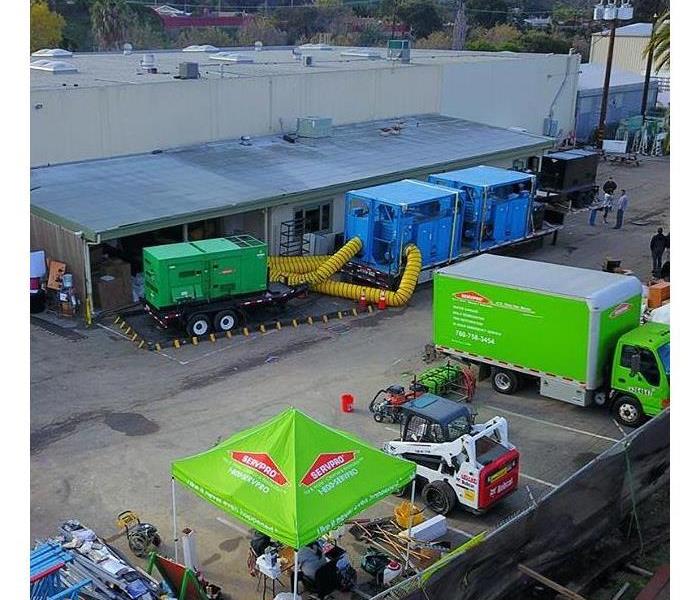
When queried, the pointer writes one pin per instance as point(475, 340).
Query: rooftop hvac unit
point(307, 60)
point(148, 63)
point(314, 127)
point(399, 50)
point(189, 70)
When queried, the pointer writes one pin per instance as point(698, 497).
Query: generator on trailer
point(208, 285)
point(458, 462)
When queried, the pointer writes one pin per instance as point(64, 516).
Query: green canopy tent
point(291, 478)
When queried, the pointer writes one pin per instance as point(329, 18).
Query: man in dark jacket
point(609, 186)
point(658, 247)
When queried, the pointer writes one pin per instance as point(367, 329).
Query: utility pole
point(606, 86)
point(647, 74)
point(609, 12)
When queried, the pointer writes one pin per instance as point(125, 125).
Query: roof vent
point(53, 53)
point(231, 57)
point(369, 55)
point(202, 48)
point(312, 47)
point(53, 66)
point(307, 60)
point(258, 46)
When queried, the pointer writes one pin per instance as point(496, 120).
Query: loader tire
point(439, 497)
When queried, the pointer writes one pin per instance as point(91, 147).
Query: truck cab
point(641, 374)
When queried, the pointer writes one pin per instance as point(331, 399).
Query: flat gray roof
point(101, 69)
point(592, 78)
point(604, 289)
point(127, 195)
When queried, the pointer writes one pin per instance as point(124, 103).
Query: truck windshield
point(665, 356)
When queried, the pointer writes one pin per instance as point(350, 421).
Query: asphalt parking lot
point(107, 419)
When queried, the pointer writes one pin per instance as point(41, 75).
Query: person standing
point(622, 203)
point(609, 186)
point(657, 247)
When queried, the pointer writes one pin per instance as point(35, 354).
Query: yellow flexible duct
point(295, 264)
point(401, 296)
point(296, 273)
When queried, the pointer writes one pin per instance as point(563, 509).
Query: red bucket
point(346, 402)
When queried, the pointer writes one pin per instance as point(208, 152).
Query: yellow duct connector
point(318, 270)
point(401, 296)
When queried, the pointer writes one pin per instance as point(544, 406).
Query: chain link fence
point(562, 524)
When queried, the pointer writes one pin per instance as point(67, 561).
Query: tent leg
point(410, 522)
point(172, 481)
point(296, 575)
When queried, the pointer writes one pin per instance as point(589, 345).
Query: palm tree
point(110, 22)
point(660, 42)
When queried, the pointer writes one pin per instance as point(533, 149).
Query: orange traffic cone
point(381, 305)
point(363, 300)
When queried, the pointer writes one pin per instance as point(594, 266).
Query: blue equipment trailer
point(388, 217)
point(453, 216)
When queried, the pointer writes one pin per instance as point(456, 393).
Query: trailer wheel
point(226, 320)
point(504, 381)
point(628, 411)
point(198, 325)
point(439, 496)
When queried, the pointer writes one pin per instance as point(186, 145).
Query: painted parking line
point(535, 479)
point(243, 530)
point(551, 424)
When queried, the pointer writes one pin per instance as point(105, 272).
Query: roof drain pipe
point(88, 277)
point(561, 87)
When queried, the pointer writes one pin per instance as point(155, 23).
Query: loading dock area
point(90, 212)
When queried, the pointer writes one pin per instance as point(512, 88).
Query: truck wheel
point(198, 325)
point(628, 411)
point(439, 496)
point(504, 381)
point(226, 320)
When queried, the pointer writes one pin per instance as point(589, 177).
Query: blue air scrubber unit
point(388, 217)
point(497, 207)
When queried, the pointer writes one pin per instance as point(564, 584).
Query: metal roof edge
point(279, 200)
point(78, 229)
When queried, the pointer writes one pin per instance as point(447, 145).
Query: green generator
point(206, 270)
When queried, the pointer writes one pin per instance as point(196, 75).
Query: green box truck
point(207, 285)
point(575, 331)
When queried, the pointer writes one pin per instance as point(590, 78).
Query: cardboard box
point(111, 292)
point(56, 271)
point(658, 293)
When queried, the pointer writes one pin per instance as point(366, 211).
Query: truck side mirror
point(635, 363)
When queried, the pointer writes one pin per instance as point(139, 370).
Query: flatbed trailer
point(372, 276)
point(199, 318)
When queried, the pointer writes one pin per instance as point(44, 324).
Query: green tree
point(540, 42)
point(197, 36)
point(438, 40)
point(660, 42)
point(263, 30)
point(564, 13)
point(45, 26)
point(459, 29)
point(371, 35)
point(421, 16)
point(487, 13)
point(110, 23)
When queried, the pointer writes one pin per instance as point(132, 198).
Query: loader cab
point(641, 373)
point(430, 419)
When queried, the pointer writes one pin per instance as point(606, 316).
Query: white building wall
point(513, 93)
point(75, 124)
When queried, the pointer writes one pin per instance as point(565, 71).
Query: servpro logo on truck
point(620, 309)
point(472, 297)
